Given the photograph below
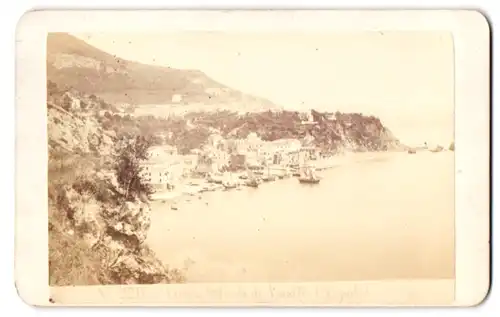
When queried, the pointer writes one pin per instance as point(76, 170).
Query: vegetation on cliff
point(331, 132)
point(99, 214)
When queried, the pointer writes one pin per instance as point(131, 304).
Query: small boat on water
point(229, 183)
point(308, 176)
point(253, 184)
point(252, 180)
point(228, 186)
point(308, 180)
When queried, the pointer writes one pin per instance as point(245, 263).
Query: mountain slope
point(72, 62)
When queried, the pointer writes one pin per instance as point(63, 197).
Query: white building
point(215, 140)
point(164, 168)
point(161, 174)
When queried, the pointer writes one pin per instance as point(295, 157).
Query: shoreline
point(197, 186)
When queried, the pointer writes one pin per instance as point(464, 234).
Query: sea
point(373, 216)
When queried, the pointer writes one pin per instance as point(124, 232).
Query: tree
point(131, 152)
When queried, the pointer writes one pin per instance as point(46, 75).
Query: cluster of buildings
point(254, 151)
point(165, 167)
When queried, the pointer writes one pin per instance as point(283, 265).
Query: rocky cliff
point(95, 235)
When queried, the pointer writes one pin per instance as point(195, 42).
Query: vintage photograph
point(258, 157)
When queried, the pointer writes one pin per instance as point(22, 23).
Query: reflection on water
point(377, 216)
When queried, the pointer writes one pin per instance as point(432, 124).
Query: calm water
point(373, 217)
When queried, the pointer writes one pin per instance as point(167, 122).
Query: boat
point(229, 183)
point(213, 180)
point(308, 180)
point(308, 175)
point(253, 183)
point(252, 180)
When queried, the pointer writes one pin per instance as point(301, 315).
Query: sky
point(404, 78)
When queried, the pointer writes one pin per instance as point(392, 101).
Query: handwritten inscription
point(239, 294)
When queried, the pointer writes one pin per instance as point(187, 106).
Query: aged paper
point(198, 158)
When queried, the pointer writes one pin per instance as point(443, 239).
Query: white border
point(470, 31)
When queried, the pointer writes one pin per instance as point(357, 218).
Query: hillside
point(73, 63)
point(96, 228)
point(332, 133)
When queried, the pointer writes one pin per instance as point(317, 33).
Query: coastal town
point(225, 164)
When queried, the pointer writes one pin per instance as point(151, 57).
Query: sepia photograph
point(178, 157)
point(217, 157)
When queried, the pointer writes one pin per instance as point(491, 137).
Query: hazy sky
point(406, 79)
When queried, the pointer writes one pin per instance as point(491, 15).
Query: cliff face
point(352, 132)
point(72, 123)
point(95, 237)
